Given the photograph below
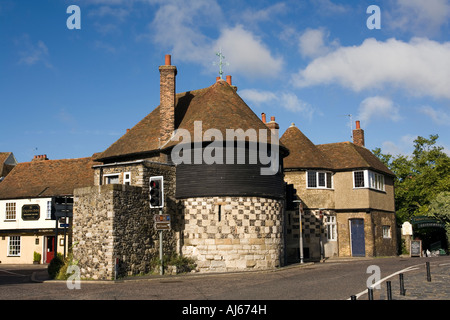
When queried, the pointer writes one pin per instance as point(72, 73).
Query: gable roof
point(218, 107)
point(7, 163)
point(303, 154)
point(348, 156)
point(47, 178)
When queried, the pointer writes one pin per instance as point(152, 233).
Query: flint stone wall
point(115, 221)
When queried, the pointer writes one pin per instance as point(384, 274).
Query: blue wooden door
point(357, 237)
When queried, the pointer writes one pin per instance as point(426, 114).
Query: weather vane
point(221, 62)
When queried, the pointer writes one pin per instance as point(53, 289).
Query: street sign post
point(162, 221)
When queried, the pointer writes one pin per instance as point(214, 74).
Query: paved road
point(336, 280)
point(333, 280)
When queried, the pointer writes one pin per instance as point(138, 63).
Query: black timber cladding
point(209, 180)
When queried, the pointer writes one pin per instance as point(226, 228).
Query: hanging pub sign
point(31, 212)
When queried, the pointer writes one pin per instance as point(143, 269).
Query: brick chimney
point(40, 157)
point(358, 135)
point(272, 125)
point(167, 100)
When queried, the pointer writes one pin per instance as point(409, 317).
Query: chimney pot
point(168, 60)
point(229, 80)
point(358, 135)
point(263, 117)
point(272, 118)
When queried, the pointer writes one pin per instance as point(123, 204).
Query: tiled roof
point(303, 154)
point(218, 107)
point(347, 156)
point(47, 178)
point(4, 156)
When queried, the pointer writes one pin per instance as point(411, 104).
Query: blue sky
point(70, 93)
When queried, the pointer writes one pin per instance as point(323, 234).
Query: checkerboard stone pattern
point(233, 233)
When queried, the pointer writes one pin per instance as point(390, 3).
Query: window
point(358, 179)
point(10, 211)
point(368, 179)
point(386, 232)
point(127, 178)
point(49, 210)
point(376, 181)
point(112, 179)
point(319, 179)
point(14, 246)
point(312, 181)
point(330, 222)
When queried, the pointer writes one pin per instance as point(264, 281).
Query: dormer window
point(319, 179)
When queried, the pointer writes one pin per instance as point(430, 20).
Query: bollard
point(428, 272)
point(402, 285)
point(389, 290)
point(370, 293)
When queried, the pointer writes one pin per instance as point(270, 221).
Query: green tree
point(420, 177)
point(440, 209)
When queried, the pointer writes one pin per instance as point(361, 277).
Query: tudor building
point(225, 213)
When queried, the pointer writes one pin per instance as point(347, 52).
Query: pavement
point(416, 282)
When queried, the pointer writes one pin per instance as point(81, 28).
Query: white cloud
point(193, 32)
point(424, 18)
point(177, 25)
point(374, 108)
point(312, 43)
point(286, 100)
point(106, 11)
point(327, 7)
point(247, 54)
point(257, 97)
point(421, 67)
point(438, 116)
point(31, 54)
point(404, 146)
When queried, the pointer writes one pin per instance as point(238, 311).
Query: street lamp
point(300, 209)
point(322, 255)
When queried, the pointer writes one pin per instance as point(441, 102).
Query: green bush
point(62, 274)
point(36, 257)
point(55, 265)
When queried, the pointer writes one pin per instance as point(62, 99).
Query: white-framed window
point(368, 179)
point(330, 223)
point(319, 179)
point(127, 178)
point(14, 246)
point(386, 232)
point(49, 210)
point(112, 178)
point(10, 213)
